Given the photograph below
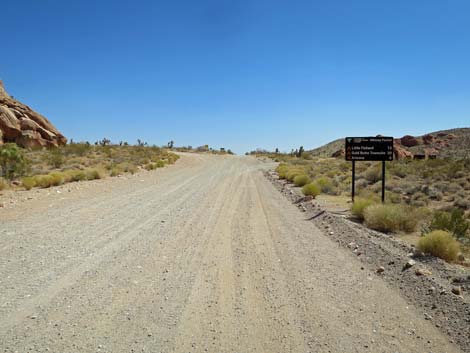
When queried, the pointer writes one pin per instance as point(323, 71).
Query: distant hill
point(453, 143)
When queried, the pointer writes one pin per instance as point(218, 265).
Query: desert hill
point(453, 143)
point(22, 125)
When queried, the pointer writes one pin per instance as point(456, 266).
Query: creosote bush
point(13, 162)
point(391, 218)
point(454, 222)
point(301, 180)
point(359, 206)
point(311, 189)
point(441, 244)
point(325, 184)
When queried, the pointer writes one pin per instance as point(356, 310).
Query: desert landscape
point(235, 176)
point(116, 247)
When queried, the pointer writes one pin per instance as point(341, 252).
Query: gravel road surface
point(202, 256)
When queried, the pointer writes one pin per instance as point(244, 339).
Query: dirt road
point(203, 256)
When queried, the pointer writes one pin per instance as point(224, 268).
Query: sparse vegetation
point(78, 162)
point(359, 206)
point(13, 162)
point(391, 218)
point(3, 184)
point(301, 180)
point(441, 244)
point(453, 222)
point(311, 189)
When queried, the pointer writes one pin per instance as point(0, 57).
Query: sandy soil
point(204, 256)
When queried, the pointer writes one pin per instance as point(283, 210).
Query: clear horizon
point(240, 74)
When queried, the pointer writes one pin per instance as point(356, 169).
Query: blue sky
point(240, 74)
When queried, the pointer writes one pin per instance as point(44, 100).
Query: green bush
point(76, 175)
point(292, 173)
point(441, 244)
point(359, 205)
point(311, 189)
point(391, 218)
point(282, 171)
point(454, 222)
point(325, 184)
point(28, 183)
point(160, 164)
point(301, 180)
point(56, 179)
point(55, 158)
point(13, 162)
point(43, 181)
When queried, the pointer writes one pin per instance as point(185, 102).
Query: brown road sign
point(369, 148)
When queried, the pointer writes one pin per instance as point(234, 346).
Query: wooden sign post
point(368, 149)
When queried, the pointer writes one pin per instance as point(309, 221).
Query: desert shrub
point(115, 171)
point(76, 175)
point(28, 183)
point(160, 164)
point(43, 181)
point(462, 203)
point(325, 184)
point(400, 170)
point(3, 184)
point(13, 162)
point(55, 158)
point(56, 179)
point(150, 166)
point(454, 222)
point(373, 174)
point(292, 173)
point(92, 174)
point(359, 205)
point(311, 189)
point(441, 244)
point(301, 180)
point(282, 170)
point(78, 149)
point(391, 218)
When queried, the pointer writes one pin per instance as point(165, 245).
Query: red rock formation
point(428, 139)
point(20, 124)
point(409, 141)
point(400, 152)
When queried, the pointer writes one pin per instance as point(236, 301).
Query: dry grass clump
point(441, 244)
point(3, 184)
point(391, 218)
point(28, 182)
point(46, 181)
point(373, 174)
point(311, 189)
point(359, 206)
point(325, 184)
point(301, 180)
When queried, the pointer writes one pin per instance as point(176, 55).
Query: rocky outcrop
point(399, 152)
point(428, 139)
point(22, 125)
point(409, 141)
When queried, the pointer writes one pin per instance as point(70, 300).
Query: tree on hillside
point(171, 144)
